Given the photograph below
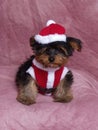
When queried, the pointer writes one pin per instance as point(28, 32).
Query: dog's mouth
point(52, 65)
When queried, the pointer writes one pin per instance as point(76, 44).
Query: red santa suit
point(46, 78)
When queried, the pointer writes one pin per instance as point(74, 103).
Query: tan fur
point(59, 60)
point(75, 46)
point(27, 94)
point(62, 93)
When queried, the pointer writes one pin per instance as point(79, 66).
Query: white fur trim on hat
point(50, 38)
point(49, 22)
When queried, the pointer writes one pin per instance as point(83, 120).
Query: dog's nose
point(51, 59)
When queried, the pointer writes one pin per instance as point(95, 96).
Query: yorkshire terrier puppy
point(45, 70)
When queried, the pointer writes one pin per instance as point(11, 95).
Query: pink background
point(19, 20)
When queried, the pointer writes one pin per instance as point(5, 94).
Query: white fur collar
point(40, 66)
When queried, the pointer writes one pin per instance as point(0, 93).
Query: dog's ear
point(76, 44)
point(32, 41)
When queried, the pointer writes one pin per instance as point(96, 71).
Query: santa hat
point(51, 33)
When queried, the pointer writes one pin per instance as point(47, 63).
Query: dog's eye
point(41, 50)
point(62, 51)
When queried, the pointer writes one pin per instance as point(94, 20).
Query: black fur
point(21, 76)
point(36, 47)
point(69, 79)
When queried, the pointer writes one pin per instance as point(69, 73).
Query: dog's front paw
point(68, 98)
point(25, 100)
point(65, 98)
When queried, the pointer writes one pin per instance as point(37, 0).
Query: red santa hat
point(51, 33)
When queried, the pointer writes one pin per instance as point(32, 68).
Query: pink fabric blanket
point(19, 20)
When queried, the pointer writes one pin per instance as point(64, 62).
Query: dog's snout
point(51, 59)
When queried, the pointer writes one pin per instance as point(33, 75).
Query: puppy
point(45, 72)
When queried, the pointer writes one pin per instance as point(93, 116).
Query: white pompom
point(49, 22)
